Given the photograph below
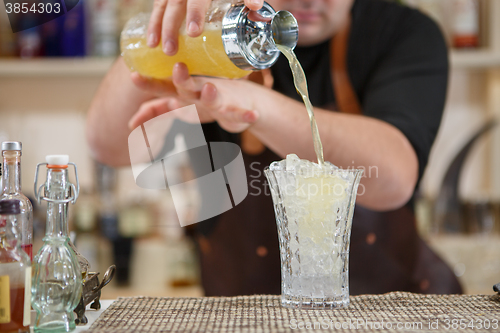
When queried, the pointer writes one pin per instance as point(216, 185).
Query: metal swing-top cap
point(12, 145)
point(55, 162)
point(57, 159)
point(250, 38)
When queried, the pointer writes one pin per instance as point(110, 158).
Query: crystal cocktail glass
point(314, 208)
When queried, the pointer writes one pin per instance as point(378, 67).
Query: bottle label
point(4, 299)
point(27, 298)
point(466, 18)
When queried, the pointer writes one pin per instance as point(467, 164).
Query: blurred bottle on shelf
point(27, 34)
point(106, 181)
point(105, 30)
point(74, 32)
point(11, 189)
point(51, 35)
point(135, 218)
point(183, 262)
point(85, 223)
point(89, 28)
point(29, 41)
point(465, 23)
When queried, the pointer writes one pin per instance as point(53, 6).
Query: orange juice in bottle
point(234, 43)
point(203, 55)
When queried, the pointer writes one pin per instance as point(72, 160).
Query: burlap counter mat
point(393, 312)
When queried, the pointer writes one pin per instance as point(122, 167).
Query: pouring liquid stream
point(299, 79)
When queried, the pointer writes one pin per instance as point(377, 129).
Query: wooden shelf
point(96, 67)
point(55, 67)
point(474, 59)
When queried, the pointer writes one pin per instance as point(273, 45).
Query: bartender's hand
point(168, 15)
point(229, 102)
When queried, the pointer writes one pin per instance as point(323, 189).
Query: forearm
point(282, 125)
point(389, 160)
point(116, 100)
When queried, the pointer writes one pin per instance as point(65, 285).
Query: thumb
point(254, 4)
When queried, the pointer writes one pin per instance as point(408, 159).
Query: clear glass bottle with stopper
point(15, 272)
point(11, 189)
point(57, 276)
point(234, 42)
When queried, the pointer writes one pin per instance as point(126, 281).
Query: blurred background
point(48, 75)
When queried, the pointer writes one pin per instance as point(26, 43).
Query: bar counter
point(392, 312)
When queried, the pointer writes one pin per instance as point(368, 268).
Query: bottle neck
point(57, 187)
point(11, 176)
point(10, 237)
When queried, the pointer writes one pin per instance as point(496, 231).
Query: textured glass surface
point(314, 208)
point(57, 279)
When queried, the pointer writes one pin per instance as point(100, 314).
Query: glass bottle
point(465, 23)
point(11, 189)
point(82, 261)
point(234, 42)
point(57, 279)
point(15, 272)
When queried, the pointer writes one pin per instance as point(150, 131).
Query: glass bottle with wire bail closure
point(235, 41)
point(11, 189)
point(15, 272)
point(57, 279)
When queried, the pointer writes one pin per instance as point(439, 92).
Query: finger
point(195, 16)
point(209, 96)
point(250, 116)
point(254, 4)
point(158, 87)
point(151, 109)
point(211, 100)
point(172, 21)
point(154, 27)
point(236, 115)
point(186, 86)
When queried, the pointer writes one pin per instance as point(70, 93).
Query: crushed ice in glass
point(314, 211)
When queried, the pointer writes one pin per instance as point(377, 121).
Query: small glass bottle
point(15, 272)
point(234, 42)
point(11, 189)
point(465, 23)
point(57, 278)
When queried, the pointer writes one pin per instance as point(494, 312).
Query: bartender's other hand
point(168, 15)
point(215, 99)
point(158, 106)
point(228, 102)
